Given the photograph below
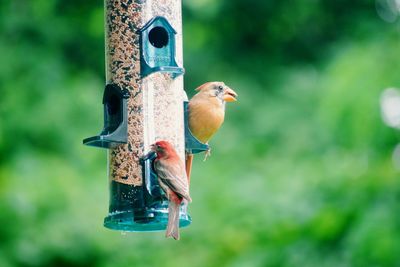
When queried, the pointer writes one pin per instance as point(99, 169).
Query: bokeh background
point(303, 173)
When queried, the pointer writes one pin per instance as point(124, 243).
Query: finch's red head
point(163, 149)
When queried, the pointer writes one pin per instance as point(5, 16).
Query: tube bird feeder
point(143, 103)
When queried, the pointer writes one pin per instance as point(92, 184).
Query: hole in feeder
point(113, 105)
point(158, 37)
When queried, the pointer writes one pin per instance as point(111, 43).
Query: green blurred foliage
point(301, 172)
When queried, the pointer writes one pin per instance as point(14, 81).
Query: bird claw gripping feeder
point(143, 103)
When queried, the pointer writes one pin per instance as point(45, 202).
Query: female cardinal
point(207, 112)
point(173, 181)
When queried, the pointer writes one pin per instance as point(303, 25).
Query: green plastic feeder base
point(134, 209)
point(154, 219)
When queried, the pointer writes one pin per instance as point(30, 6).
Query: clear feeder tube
point(154, 112)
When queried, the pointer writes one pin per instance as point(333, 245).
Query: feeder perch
point(143, 103)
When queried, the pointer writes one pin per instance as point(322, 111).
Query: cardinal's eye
point(220, 88)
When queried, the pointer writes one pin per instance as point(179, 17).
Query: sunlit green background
point(302, 172)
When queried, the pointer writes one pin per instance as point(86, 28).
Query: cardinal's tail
point(173, 220)
point(189, 162)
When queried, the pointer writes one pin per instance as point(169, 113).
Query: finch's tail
point(189, 162)
point(173, 220)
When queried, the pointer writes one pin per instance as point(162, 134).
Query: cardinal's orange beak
point(229, 95)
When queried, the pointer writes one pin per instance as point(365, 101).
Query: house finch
point(207, 112)
point(173, 181)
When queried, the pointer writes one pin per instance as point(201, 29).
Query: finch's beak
point(153, 147)
point(229, 95)
point(151, 155)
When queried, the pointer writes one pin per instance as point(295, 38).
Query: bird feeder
point(143, 102)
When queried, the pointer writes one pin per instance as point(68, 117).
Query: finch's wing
point(173, 176)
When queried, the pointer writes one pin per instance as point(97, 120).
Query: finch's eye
point(220, 88)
